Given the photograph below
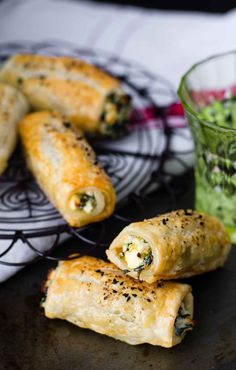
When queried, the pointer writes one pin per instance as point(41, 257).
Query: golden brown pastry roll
point(96, 295)
point(13, 106)
point(175, 245)
point(84, 94)
point(65, 167)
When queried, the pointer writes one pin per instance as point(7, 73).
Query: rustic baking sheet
point(29, 341)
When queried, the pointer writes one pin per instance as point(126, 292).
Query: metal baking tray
point(29, 341)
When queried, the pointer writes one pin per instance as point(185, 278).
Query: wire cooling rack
point(25, 213)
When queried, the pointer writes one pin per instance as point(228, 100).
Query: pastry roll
point(65, 167)
point(84, 94)
point(94, 294)
point(13, 106)
point(175, 245)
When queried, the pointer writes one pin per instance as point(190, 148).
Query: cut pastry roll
point(174, 245)
point(66, 169)
point(94, 294)
point(13, 106)
point(84, 94)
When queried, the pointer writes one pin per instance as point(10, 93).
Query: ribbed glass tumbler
point(208, 94)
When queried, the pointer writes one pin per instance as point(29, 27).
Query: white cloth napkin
point(165, 43)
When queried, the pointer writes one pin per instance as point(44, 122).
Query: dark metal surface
point(29, 341)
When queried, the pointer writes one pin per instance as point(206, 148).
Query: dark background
point(216, 6)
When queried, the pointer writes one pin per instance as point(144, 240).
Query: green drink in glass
point(208, 94)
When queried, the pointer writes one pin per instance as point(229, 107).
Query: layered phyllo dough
point(87, 96)
point(174, 245)
point(94, 294)
point(13, 106)
point(66, 168)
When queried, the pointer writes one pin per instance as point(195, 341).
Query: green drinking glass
point(208, 95)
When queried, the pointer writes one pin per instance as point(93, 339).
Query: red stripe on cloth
point(151, 117)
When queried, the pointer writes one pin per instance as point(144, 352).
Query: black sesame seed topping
point(100, 272)
point(19, 80)
point(66, 124)
point(188, 212)
point(160, 284)
point(126, 271)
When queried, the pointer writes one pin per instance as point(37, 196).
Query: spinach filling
point(147, 260)
point(137, 253)
point(183, 321)
point(115, 114)
point(84, 201)
point(87, 200)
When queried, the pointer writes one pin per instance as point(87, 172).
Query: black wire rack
point(26, 216)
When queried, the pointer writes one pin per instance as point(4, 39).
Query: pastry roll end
point(89, 203)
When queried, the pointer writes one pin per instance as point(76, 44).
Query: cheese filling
point(115, 113)
point(88, 202)
point(136, 252)
point(183, 321)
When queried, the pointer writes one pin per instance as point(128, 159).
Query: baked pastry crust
point(182, 243)
point(13, 106)
point(96, 295)
point(65, 167)
point(70, 86)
